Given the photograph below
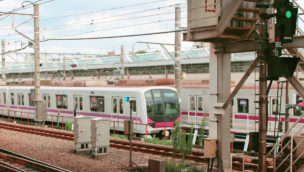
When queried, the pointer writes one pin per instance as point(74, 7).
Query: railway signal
point(73, 65)
point(286, 16)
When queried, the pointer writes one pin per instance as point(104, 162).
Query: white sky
point(93, 18)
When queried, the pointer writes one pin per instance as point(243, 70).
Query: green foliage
point(202, 131)
point(174, 166)
point(155, 140)
point(179, 145)
point(68, 126)
point(119, 136)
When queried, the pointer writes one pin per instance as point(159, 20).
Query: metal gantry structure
point(241, 26)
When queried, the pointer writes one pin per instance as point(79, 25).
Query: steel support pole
point(64, 68)
point(177, 51)
point(130, 133)
point(286, 109)
point(37, 58)
point(3, 62)
point(219, 120)
point(263, 54)
point(122, 61)
point(262, 116)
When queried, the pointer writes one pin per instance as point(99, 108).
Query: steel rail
point(16, 162)
point(118, 143)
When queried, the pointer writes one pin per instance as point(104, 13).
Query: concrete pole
point(177, 50)
point(122, 61)
point(219, 120)
point(37, 56)
point(3, 62)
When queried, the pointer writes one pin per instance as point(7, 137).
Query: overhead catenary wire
point(96, 11)
point(13, 51)
point(23, 7)
point(113, 37)
point(116, 20)
point(118, 27)
point(89, 21)
point(110, 21)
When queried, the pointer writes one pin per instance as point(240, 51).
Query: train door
point(195, 108)
point(134, 112)
point(117, 105)
point(117, 109)
point(77, 104)
point(47, 100)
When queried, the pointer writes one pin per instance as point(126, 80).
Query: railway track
point(10, 161)
point(196, 155)
point(38, 131)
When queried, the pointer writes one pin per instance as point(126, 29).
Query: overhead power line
point(96, 11)
point(13, 51)
point(119, 27)
point(113, 37)
point(107, 19)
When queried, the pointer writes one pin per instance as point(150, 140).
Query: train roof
point(138, 88)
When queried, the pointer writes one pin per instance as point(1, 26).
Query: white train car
point(244, 117)
point(154, 109)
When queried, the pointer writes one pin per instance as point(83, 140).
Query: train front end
point(163, 109)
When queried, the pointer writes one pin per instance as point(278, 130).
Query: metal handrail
point(283, 137)
point(291, 151)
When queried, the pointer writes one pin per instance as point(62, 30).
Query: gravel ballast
point(61, 153)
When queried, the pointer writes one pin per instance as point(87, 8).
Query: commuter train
point(153, 108)
point(245, 114)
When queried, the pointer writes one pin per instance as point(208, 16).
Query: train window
point(114, 105)
point(81, 104)
point(149, 102)
point(47, 100)
point(96, 103)
point(200, 104)
point(120, 106)
point(12, 99)
point(20, 99)
point(192, 103)
point(274, 104)
point(134, 106)
point(243, 105)
point(158, 102)
point(31, 100)
point(171, 102)
point(4, 98)
point(62, 101)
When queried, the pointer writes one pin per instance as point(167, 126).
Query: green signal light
point(288, 14)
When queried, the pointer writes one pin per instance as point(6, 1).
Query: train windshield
point(162, 102)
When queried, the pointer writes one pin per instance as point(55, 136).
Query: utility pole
point(37, 58)
point(263, 53)
point(3, 62)
point(64, 69)
point(177, 50)
point(286, 109)
point(122, 61)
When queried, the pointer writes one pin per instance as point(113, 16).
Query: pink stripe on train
point(250, 117)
